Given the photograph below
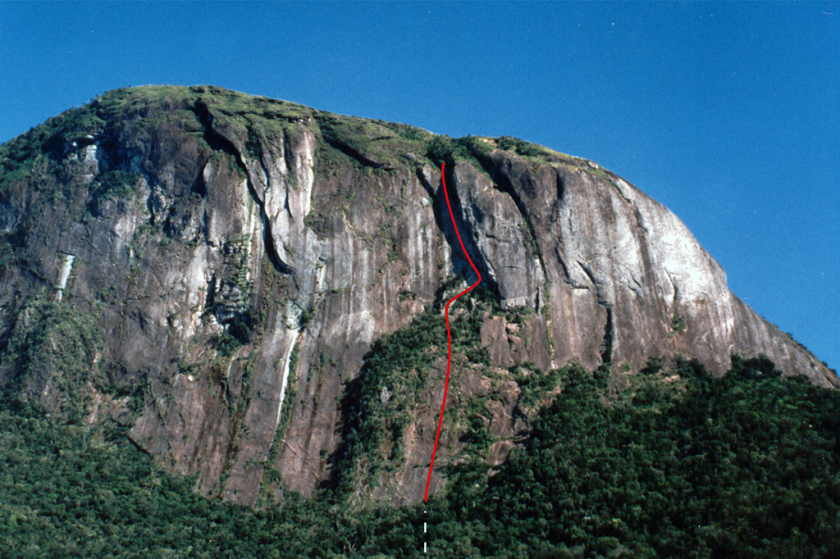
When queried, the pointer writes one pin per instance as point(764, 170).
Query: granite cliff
point(228, 277)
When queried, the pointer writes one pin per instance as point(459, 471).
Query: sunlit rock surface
point(257, 248)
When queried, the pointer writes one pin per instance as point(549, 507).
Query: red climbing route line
point(448, 334)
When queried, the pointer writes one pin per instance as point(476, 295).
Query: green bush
point(443, 149)
point(7, 252)
point(108, 186)
point(521, 147)
point(226, 344)
point(54, 343)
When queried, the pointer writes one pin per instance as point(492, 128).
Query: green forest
point(670, 463)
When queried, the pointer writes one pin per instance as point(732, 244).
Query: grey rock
point(242, 213)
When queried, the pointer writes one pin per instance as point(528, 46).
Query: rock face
point(211, 269)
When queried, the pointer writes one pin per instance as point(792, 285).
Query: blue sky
point(727, 113)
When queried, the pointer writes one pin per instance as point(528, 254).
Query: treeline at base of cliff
point(674, 463)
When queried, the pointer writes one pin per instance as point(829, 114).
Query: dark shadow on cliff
point(460, 264)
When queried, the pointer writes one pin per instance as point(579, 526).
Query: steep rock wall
point(258, 248)
point(620, 268)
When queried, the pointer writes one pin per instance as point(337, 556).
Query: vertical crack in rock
point(504, 184)
point(620, 192)
point(468, 232)
point(567, 278)
point(561, 188)
point(640, 221)
point(676, 289)
point(607, 343)
point(609, 326)
point(218, 140)
point(674, 304)
point(425, 174)
point(264, 168)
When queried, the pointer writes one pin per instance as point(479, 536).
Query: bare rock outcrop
point(615, 263)
point(233, 259)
